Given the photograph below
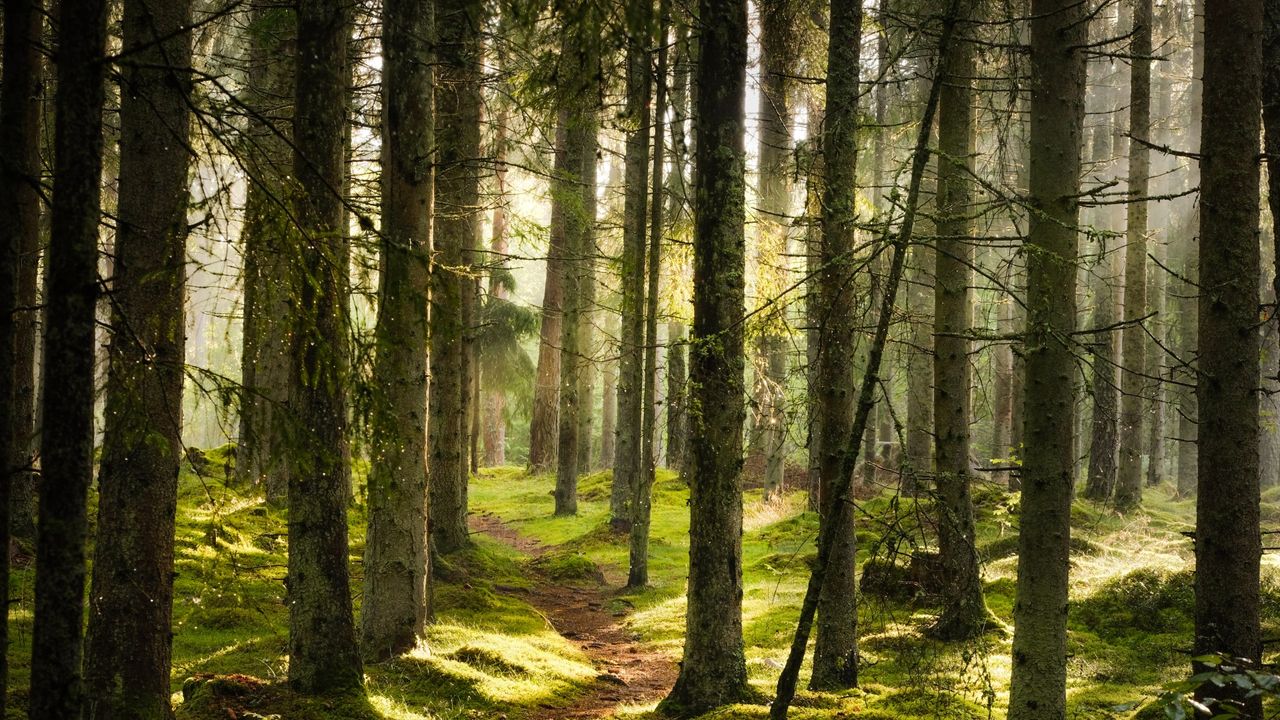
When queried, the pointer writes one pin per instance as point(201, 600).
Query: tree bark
point(19, 246)
point(270, 261)
point(835, 652)
point(458, 74)
point(20, 116)
point(642, 492)
point(713, 671)
point(1059, 32)
point(626, 463)
point(1128, 494)
point(323, 653)
point(66, 446)
point(395, 610)
point(1228, 542)
point(964, 612)
point(544, 422)
point(1102, 450)
point(128, 654)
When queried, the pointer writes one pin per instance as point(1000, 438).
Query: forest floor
point(533, 622)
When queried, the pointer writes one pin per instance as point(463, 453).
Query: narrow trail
point(629, 671)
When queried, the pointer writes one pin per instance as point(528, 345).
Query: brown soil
point(630, 671)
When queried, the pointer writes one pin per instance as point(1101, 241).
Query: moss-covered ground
point(490, 654)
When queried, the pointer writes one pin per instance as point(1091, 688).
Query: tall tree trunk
point(1102, 450)
point(1134, 337)
point(918, 455)
point(1157, 464)
point(459, 52)
point(495, 399)
point(626, 463)
point(578, 189)
point(1228, 542)
point(642, 491)
point(1059, 32)
point(677, 202)
point(1188, 296)
point(66, 448)
point(270, 260)
point(128, 654)
point(20, 111)
point(964, 613)
point(19, 244)
point(394, 611)
point(1271, 335)
point(608, 393)
point(323, 654)
point(544, 422)
point(714, 671)
point(777, 37)
point(835, 651)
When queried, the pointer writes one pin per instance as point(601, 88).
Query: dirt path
point(629, 671)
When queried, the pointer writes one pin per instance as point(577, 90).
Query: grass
point(490, 654)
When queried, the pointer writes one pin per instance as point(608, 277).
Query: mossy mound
point(569, 567)
point(1145, 600)
point(217, 697)
point(1007, 546)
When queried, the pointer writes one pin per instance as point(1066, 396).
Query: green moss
point(569, 567)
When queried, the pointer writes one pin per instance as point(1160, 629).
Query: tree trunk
point(626, 463)
point(1059, 32)
point(1157, 464)
point(677, 204)
point(269, 259)
point(777, 36)
point(495, 399)
point(323, 654)
point(918, 458)
point(19, 245)
point(1228, 542)
point(578, 191)
point(394, 611)
point(1102, 450)
point(964, 612)
point(642, 491)
point(1271, 334)
point(713, 671)
point(457, 190)
point(544, 423)
point(128, 654)
point(608, 393)
point(66, 446)
point(1128, 495)
point(835, 651)
point(20, 173)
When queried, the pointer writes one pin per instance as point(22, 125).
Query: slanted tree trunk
point(19, 243)
point(964, 612)
point(835, 651)
point(1059, 32)
point(127, 661)
point(714, 671)
point(270, 260)
point(626, 462)
point(1228, 541)
point(323, 654)
point(833, 539)
point(1129, 478)
point(394, 610)
point(20, 171)
point(71, 296)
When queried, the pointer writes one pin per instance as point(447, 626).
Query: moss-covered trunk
point(1059, 30)
point(394, 610)
point(713, 671)
point(71, 295)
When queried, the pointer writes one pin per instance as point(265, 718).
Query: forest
point(567, 359)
